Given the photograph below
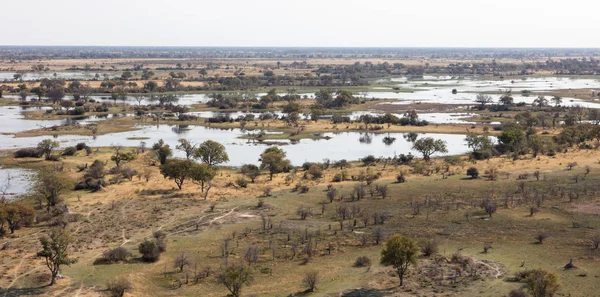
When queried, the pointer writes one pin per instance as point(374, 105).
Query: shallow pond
point(348, 145)
point(14, 181)
point(429, 89)
point(13, 121)
point(434, 118)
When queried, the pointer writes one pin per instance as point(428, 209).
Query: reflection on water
point(439, 89)
point(347, 145)
point(15, 182)
point(13, 121)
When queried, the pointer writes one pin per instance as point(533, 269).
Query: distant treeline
point(96, 52)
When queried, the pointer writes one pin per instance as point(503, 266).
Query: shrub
point(304, 189)
point(79, 110)
point(149, 251)
point(70, 151)
point(362, 261)
point(404, 159)
point(28, 153)
point(267, 191)
point(113, 256)
point(541, 283)
point(541, 236)
point(315, 171)
point(453, 160)
point(160, 143)
point(473, 172)
point(128, 173)
point(310, 280)
point(481, 155)
point(369, 160)
point(81, 146)
point(307, 165)
point(486, 247)
point(429, 247)
point(242, 182)
point(118, 287)
point(337, 178)
point(161, 243)
point(400, 178)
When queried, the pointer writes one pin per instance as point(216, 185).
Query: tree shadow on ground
point(13, 292)
point(365, 293)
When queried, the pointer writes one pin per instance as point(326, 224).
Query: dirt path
point(20, 238)
point(495, 267)
point(20, 276)
point(218, 218)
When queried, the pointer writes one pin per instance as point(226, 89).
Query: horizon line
point(307, 47)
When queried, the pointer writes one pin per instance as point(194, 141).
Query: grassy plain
point(125, 213)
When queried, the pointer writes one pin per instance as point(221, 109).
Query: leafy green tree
point(507, 100)
point(292, 107)
point(556, 100)
point(478, 142)
point(47, 146)
point(126, 75)
point(234, 277)
point(473, 172)
point(163, 153)
point(211, 153)
point(540, 101)
point(55, 94)
point(202, 174)
point(54, 251)
point(15, 214)
point(49, 187)
point(67, 104)
point(399, 252)
point(251, 171)
point(187, 147)
point(149, 250)
point(151, 86)
point(511, 135)
point(429, 146)
point(273, 159)
point(316, 110)
point(177, 170)
point(542, 283)
point(120, 157)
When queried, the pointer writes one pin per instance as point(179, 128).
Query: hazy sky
point(372, 23)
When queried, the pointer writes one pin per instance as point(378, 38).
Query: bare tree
point(378, 235)
point(251, 255)
point(382, 190)
point(342, 212)
point(489, 206)
point(303, 212)
point(311, 279)
point(118, 287)
point(331, 194)
point(181, 261)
